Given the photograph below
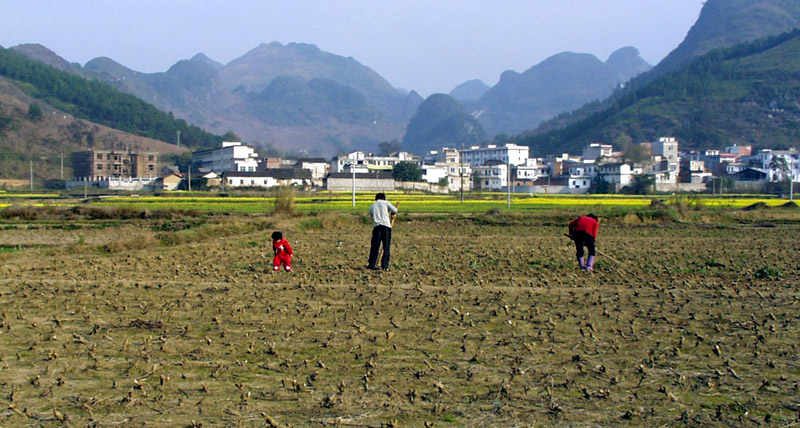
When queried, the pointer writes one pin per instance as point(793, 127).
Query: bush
point(284, 200)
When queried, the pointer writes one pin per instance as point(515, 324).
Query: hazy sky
point(426, 45)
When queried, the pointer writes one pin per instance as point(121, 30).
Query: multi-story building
point(317, 166)
point(95, 165)
point(364, 162)
point(766, 159)
point(446, 163)
point(667, 149)
point(509, 153)
point(232, 156)
point(493, 175)
point(595, 151)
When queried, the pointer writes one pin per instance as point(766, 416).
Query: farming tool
point(617, 263)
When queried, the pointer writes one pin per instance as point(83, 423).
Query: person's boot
point(581, 264)
point(590, 263)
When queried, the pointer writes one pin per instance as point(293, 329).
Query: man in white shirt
point(382, 213)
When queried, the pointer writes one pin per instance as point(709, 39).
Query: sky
point(425, 45)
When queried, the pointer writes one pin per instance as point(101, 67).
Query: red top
point(584, 224)
point(281, 247)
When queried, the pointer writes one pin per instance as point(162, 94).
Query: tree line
point(686, 92)
point(99, 103)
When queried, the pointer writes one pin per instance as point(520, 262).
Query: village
point(500, 168)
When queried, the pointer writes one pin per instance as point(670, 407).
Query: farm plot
point(482, 321)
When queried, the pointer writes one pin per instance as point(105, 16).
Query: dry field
point(482, 321)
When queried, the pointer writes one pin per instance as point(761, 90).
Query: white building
point(508, 153)
point(232, 156)
point(667, 149)
point(531, 170)
point(447, 163)
point(369, 162)
point(618, 175)
point(268, 178)
point(317, 166)
point(581, 175)
point(491, 176)
point(595, 151)
point(764, 159)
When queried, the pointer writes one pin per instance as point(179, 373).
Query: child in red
point(283, 252)
point(583, 230)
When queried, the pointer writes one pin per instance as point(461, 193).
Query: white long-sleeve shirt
point(381, 212)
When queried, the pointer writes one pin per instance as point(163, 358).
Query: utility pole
point(31, 175)
point(62, 166)
point(508, 184)
point(461, 170)
point(353, 169)
point(190, 177)
point(179, 138)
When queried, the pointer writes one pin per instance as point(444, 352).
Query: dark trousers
point(380, 235)
point(583, 239)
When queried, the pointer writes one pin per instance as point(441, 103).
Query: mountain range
point(562, 82)
point(292, 98)
point(725, 109)
point(299, 99)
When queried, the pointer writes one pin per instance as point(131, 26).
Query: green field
point(409, 203)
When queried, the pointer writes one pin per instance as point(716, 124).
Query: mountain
point(441, 122)
point(562, 82)
point(724, 23)
point(746, 94)
point(40, 53)
point(46, 113)
point(627, 63)
point(292, 98)
point(45, 139)
point(471, 90)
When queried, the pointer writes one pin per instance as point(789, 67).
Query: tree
point(780, 168)
point(230, 136)
point(601, 186)
point(642, 184)
point(783, 174)
point(35, 112)
point(407, 171)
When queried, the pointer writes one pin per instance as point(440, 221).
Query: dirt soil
point(480, 322)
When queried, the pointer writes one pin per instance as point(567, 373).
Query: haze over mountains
point(299, 99)
point(293, 98)
point(745, 96)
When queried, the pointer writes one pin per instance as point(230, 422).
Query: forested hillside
point(98, 102)
point(747, 94)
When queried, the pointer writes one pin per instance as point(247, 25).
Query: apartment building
point(95, 165)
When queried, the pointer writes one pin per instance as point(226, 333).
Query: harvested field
point(482, 321)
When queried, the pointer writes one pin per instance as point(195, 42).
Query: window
point(100, 156)
point(99, 166)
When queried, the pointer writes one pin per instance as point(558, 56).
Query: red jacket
point(281, 247)
point(584, 224)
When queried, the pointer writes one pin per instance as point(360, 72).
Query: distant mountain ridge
point(241, 96)
point(724, 23)
point(441, 122)
point(562, 82)
point(746, 94)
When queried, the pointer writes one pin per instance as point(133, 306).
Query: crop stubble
point(479, 323)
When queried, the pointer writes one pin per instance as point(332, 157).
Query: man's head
point(277, 236)
point(380, 196)
point(593, 216)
